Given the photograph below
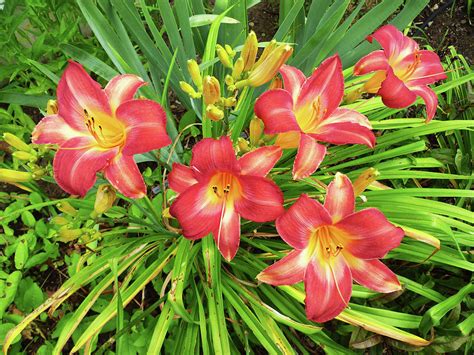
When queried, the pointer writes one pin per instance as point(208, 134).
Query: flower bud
point(229, 101)
point(193, 69)
point(243, 145)
point(104, 198)
point(223, 56)
point(24, 156)
point(276, 83)
point(364, 180)
point(14, 176)
point(229, 80)
point(249, 52)
point(256, 131)
point(268, 68)
point(238, 68)
point(52, 107)
point(16, 142)
point(211, 90)
point(230, 51)
point(188, 89)
point(214, 113)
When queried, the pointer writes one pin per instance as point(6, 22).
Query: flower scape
point(263, 181)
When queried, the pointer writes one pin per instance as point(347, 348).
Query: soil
point(441, 24)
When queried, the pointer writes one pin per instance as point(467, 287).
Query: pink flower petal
point(197, 214)
point(145, 126)
point(123, 174)
point(371, 62)
point(369, 234)
point(430, 98)
point(122, 88)
point(395, 93)
point(428, 71)
point(328, 285)
point(374, 274)
point(345, 126)
point(340, 200)
point(54, 130)
point(327, 83)
point(394, 43)
point(286, 271)
point(77, 162)
point(211, 155)
point(293, 79)
point(77, 92)
point(297, 224)
point(310, 155)
point(260, 161)
point(227, 235)
point(261, 201)
point(181, 178)
point(275, 109)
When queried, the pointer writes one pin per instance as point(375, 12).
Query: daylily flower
point(217, 189)
point(101, 130)
point(333, 245)
point(402, 70)
point(307, 111)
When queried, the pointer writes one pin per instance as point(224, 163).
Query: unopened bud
point(249, 52)
point(229, 101)
point(364, 180)
point(188, 89)
point(256, 131)
point(223, 56)
point(267, 51)
point(67, 208)
point(268, 68)
point(214, 113)
point(276, 83)
point(24, 156)
point(14, 176)
point(52, 107)
point(243, 145)
point(104, 199)
point(211, 90)
point(38, 173)
point(238, 68)
point(352, 96)
point(229, 80)
point(230, 51)
point(16, 142)
point(193, 69)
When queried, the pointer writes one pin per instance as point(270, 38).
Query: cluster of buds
point(209, 88)
point(248, 71)
point(25, 154)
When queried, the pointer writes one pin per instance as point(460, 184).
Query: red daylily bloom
point(307, 111)
point(333, 245)
point(402, 70)
point(101, 130)
point(217, 189)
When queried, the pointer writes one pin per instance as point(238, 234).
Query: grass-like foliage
point(126, 280)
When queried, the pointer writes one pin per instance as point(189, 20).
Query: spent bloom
point(217, 189)
point(332, 246)
point(307, 111)
point(402, 70)
point(100, 130)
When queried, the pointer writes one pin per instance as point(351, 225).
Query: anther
point(214, 188)
point(227, 189)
